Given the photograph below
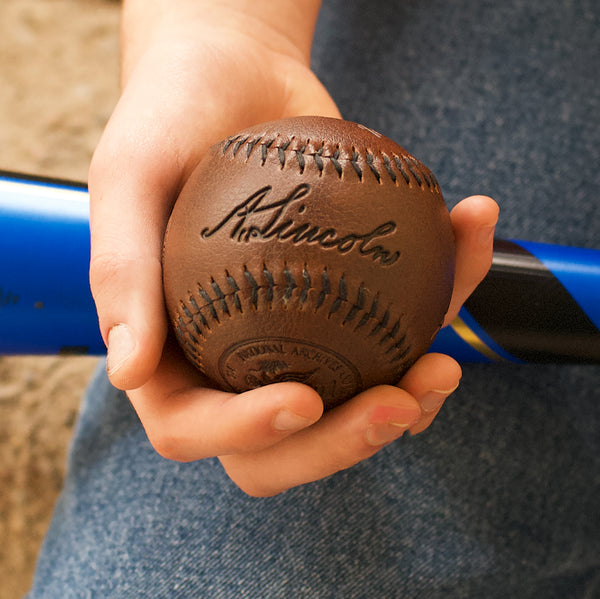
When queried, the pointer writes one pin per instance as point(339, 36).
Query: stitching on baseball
point(358, 160)
point(201, 308)
point(325, 289)
point(307, 286)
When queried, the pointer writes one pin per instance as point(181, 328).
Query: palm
point(225, 87)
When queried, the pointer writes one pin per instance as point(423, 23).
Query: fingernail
point(433, 400)
point(286, 421)
point(121, 345)
point(388, 423)
point(485, 234)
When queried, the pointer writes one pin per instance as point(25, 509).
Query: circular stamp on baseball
point(256, 362)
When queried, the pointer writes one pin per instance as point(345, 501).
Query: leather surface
point(308, 249)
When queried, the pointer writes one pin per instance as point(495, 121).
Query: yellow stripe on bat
point(469, 336)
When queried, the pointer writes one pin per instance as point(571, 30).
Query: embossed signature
point(246, 222)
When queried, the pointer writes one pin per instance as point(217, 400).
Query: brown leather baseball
point(308, 249)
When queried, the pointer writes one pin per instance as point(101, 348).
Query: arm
point(194, 72)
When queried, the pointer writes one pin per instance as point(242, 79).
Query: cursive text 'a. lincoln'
point(260, 218)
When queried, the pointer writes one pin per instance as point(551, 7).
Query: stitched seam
point(362, 163)
point(206, 307)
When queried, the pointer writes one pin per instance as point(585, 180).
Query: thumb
point(129, 206)
point(126, 289)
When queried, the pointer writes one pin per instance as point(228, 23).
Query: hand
point(194, 74)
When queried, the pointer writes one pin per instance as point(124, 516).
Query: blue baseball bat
point(539, 302)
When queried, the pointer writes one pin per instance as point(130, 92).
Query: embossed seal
point(257, 362)
point(312, 250)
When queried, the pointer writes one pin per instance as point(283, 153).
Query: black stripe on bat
point(527, 311)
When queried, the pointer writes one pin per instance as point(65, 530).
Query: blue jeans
point(499, 498)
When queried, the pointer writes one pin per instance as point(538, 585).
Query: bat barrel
point(45, 302)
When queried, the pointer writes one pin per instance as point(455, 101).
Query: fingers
point(474, 220)
point(343, 437)
point(346, 435)
point(431, 380)
point(185, 420)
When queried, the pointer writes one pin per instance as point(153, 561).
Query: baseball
point(308, 249)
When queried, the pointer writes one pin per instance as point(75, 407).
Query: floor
point(59, 82)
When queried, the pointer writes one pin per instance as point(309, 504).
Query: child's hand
point(194, 73)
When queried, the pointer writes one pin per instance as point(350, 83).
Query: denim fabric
point(499, 498)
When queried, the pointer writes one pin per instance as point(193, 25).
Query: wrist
point(285, 26)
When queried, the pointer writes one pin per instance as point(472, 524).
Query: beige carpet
point(58, 84)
